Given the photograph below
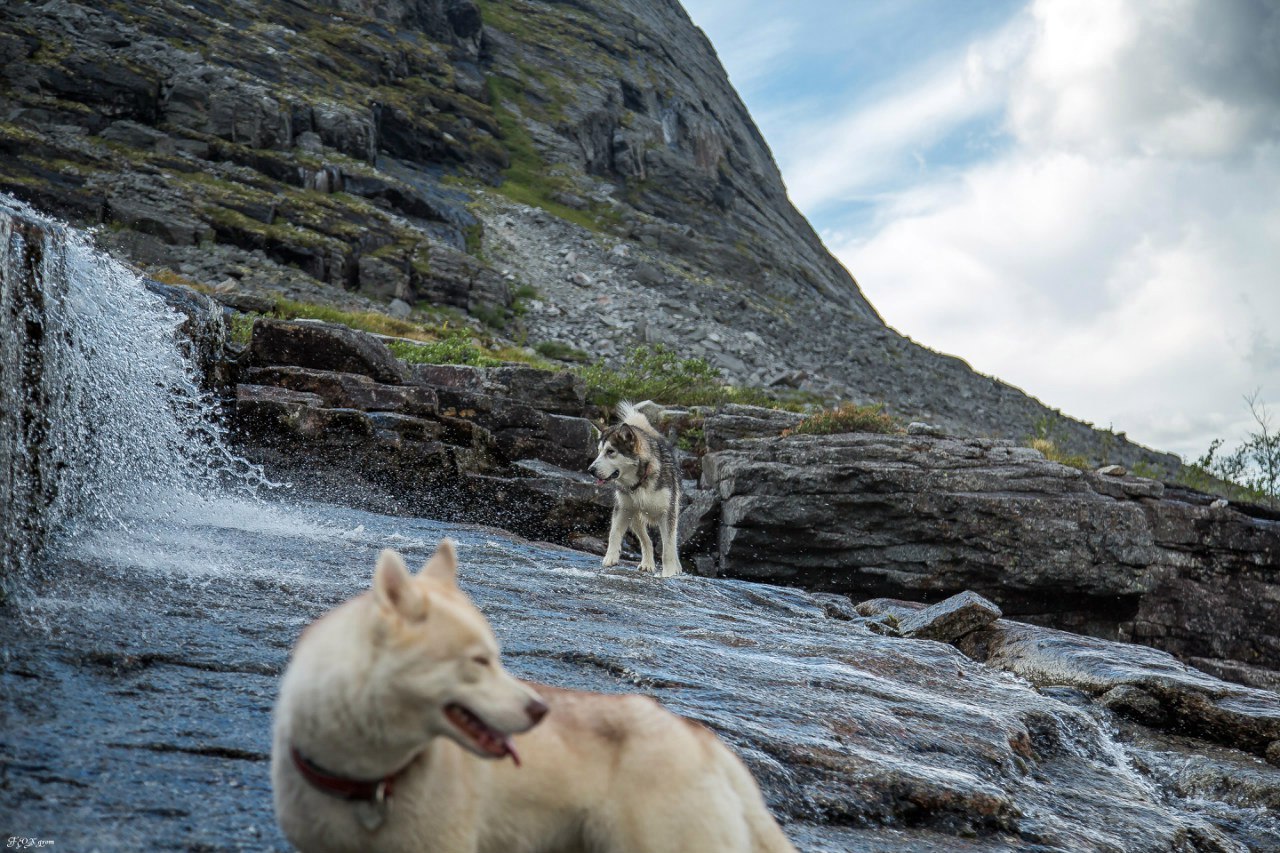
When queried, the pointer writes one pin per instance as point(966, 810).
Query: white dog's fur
point(365, 695)
point(641, 464)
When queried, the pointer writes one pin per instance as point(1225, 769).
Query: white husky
point(395, 706)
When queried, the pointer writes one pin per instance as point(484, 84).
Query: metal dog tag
point(374, 813)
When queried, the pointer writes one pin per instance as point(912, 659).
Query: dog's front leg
point(641, 530)
point(617, 527)
point(670, 541)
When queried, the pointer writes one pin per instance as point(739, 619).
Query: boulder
point(324, 346)
point(920, 517)
point(558, 392)
point(949, 620)
point(733, 422)
point(1141, 683)
point(349, 390)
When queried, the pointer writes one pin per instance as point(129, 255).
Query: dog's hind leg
point(617, 528)
point(641, 530)
point(670, 541)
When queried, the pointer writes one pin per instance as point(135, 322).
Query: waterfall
point(100, 409)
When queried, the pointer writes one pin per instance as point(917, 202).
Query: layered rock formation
point(452, 153)
point(335, 413)
point(923, 517)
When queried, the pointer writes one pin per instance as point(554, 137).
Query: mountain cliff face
point(458, 153)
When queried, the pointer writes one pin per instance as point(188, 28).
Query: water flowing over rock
point(97, 401)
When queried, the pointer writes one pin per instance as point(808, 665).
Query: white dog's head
point(620, 451)
point(436, 659)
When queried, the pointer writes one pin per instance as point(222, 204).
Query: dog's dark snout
point(536, 709)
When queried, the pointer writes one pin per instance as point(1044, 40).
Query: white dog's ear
point(394, 589)
point(443, 565)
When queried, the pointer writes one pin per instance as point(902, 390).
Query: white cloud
point(1175, 78)
point(1119, 257)
point(828, 160)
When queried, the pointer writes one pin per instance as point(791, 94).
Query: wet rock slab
point(136, 690)
point(1147, 685)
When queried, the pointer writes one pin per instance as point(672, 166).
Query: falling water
point(100, 412)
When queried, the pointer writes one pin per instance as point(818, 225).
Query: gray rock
point(735, 422)
point(1141, 682)
point(349, 390)
point(914, 516)
point(400, 309)
point(323, 346)
point(949, 620)
point(1113, 471)
point(1135, 703)
point(699, 522)
point(380, 279)
point(137, 135)
point(919, 428)
point(647, 274)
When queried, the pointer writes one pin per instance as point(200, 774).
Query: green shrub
point(655, 373)
point(849, 417)
point(693, 440)
point(365, 321)
point(455, 348)
point(241, 328)
point(1251, 472)
point(560, 351)
point(1053, 453)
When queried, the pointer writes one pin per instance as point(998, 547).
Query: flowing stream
point(156, 585)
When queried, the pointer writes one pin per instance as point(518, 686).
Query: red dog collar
point(352, 790)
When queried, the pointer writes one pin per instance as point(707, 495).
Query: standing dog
point(395, 714)
point(641, 464)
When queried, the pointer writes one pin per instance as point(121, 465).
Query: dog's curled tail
point(629, 414)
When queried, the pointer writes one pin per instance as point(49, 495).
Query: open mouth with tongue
point(613, 476)
point(486, 739)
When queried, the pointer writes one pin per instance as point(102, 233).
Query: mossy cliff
point(361, 151)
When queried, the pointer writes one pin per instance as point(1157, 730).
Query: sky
point(1081, 197)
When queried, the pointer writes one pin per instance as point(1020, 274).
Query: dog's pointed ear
point(626, 436)
point(443, 565)
point(394, 589)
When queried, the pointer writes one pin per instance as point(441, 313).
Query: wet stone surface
point(137, 683)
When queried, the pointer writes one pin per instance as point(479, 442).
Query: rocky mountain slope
point(578, 171)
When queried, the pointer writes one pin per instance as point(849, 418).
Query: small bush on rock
point(1053, 453)
point(456, 348)
point(560, 351)
point(655, 373)
point(849, 417)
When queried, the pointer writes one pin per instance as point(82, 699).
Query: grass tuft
point(561, 351)
point(1053, 453)
point(657, 373)
point(849, 417)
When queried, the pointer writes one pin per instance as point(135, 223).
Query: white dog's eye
point(611, 452)
point(483, 660)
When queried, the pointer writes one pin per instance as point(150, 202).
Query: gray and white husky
point(641, 464)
